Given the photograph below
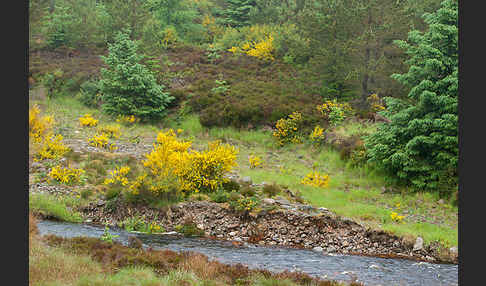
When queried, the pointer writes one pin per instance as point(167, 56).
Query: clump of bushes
point(45, 144)
point(219, 196)
point(245, 204)
point(334, 112)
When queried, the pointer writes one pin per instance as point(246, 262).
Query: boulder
point(419, 244)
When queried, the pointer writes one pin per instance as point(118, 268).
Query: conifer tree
point(128, 87)
point(420, 144)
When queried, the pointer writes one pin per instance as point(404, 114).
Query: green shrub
point(271, 190)
point(112, 193)
point(86, 193)
point(219, 197)
point(231, 185)
point(245, 204)
point(54, 83)
point(128, 87)
point(90, 93)
point(58, 27)
point(247, 191)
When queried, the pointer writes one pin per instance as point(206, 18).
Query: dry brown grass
point(47, 264)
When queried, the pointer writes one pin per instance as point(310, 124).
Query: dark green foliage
point(271, 190)
point(231, 185)
point(219, 196)
point(86, 193)
point(237, 12)
point(54, 83)
point(58, 27)
point(420, 145)
point(90, 93)
point(247, 191)
point(127, 86)
point(112, 193)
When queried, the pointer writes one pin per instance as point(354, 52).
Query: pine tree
point(237, 13)
point(420, 145)
point(128, 87)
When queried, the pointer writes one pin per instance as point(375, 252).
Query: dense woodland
point(250, 63)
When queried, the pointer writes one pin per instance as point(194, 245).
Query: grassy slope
point(352, 192)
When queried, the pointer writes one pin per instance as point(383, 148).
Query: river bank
point(287, 225)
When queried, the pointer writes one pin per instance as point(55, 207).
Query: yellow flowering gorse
point(317, 135)
point(375, 103)
point(112, 130)
point(118, 176)
point(395, 217)
point(315, 179)
point(45, 143)
point(88, 120)
point(288, 129)
point(194, 170)
point(254, 161)
point(39, 127)
point(101, 141)
point(66, 175)
point(126, 119)
point(334, 112)
point(51, 147)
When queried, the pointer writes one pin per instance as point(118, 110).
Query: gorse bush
point(254, 161)
point(118, 176)
point(111, 130)
point(317, 135)
point(88, 120)
point(102, 140)
point(334, 112)
point(129, 87)
point(316, 179)
point(39, 126)
point(289, 129)
point(46, 145)
point(194, 171)
point(66, 175)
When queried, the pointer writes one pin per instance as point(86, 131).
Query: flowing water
point(368, 270)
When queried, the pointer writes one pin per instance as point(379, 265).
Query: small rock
point(246, 180)
point(419, 244)
point(441, 201)
point(101, 203)
point(323, 209)
point(88, 220)
point(268, 201)
point(233, 233)
point(374, 266)
point(453, 250)
point(318, 249)
point(331, 249)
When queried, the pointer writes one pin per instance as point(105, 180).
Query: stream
point(368, 270)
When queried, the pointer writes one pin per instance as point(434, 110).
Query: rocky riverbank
point(286, 224)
